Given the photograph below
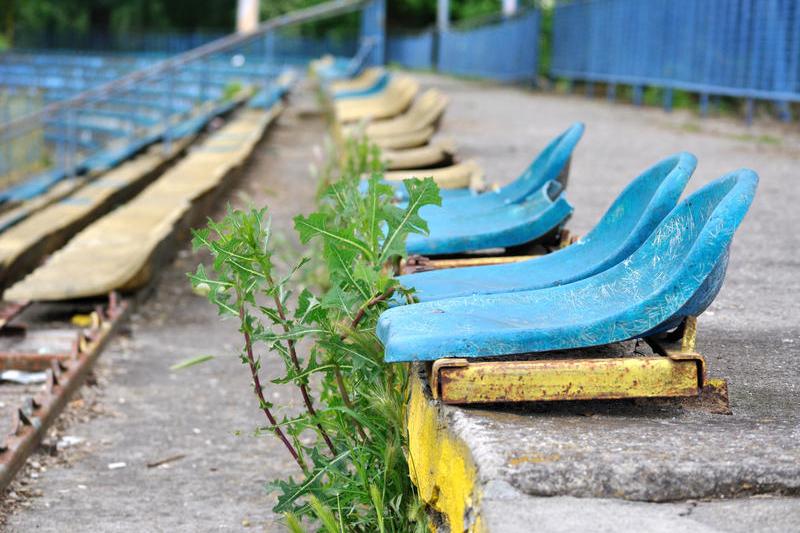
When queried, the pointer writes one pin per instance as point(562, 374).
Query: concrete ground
point(146, 414)
point(750, 335)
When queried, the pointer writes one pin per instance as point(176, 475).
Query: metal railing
point(101, 125)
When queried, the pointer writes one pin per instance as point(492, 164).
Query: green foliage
point(168, 15)
point(545, 39)
point(230, 90)
point(654, 96)
point(354, 476)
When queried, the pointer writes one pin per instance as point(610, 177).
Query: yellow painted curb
point(440, 463)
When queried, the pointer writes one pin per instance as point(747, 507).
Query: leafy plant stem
point(337, 372)
point(251, 362)
point(296, 362)
point(374, 301)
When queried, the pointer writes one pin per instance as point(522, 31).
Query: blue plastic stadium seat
point(626, 225)
point(453, 231)
point(676, 273)
point(551, 164)
point(268, 97)
point(380, 84)
point(339, 68)
point(31, 187)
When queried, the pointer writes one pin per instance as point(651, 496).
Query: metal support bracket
point(420, 263)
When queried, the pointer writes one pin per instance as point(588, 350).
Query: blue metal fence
point(741, 48)
point(158, 42)
point(373, 29)
point(293, 48)
point(505, 51)
point(412, 51)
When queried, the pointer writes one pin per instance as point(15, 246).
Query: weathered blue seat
point(269, 96)
point(339, 69)
point(626, 225)
point(676, 273)
point(31, 187)
point(379, 85)
point(457, 231)
point(552, 163)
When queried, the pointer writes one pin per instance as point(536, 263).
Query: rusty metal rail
point(65, 373)
point(9, 311)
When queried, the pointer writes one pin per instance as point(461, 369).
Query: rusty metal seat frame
point(674, 371)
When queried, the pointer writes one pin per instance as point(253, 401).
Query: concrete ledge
point(496, 469)
point(440, 462)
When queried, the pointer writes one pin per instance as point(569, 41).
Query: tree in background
point(108, 17)
point(46, 20)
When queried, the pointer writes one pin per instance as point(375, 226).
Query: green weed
point(353, 473)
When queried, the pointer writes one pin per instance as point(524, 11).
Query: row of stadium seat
point(116, 251)
point(651, 262)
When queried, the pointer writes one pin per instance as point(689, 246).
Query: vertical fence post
point(36, 134)
point(611, 92)
point(60, 149)
point(72, 133)
point(668, 99)
point(246, 16)
point(269, 57)
point(269, 48)
point(509, 8)
point(784, 111)
point(205, 65)
point(373, 26)
point(638, 93)
point(169, 111)
point(443, 15)
point(5, 138)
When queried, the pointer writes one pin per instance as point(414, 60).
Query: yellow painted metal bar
point(458, 381)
